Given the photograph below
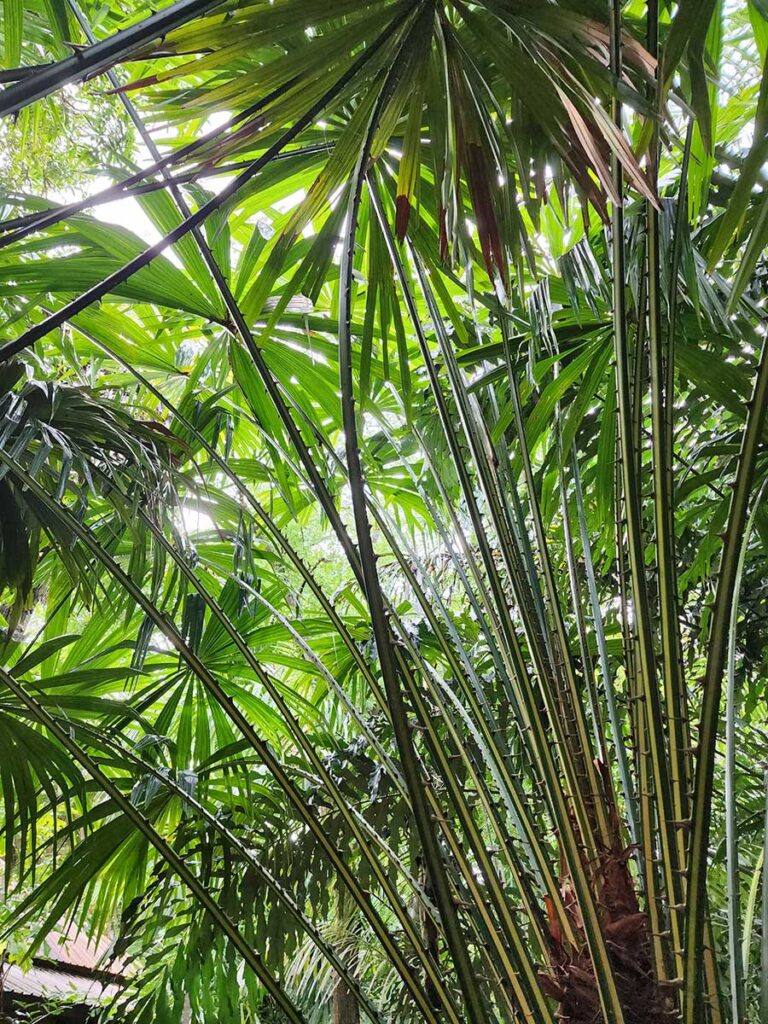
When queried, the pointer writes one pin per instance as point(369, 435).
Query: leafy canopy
point(382, 520)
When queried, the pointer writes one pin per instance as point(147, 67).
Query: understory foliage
point(383, 540)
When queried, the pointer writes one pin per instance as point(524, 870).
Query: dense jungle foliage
point(383, 533)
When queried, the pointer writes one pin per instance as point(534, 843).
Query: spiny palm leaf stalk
point(380, 510)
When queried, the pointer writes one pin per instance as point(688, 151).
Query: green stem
point(671, 864)
point(733, 885)
point(617, 732)
point(554, 789)
point(712, 683)
point(662, 401)
point(381, 628)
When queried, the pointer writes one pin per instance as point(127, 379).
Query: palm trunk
point(345, 1008)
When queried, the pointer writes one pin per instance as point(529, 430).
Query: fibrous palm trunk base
point(570, 979)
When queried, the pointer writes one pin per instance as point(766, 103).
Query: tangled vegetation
point(382, 524)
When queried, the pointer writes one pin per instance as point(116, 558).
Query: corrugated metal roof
point(78, 950)
point(64, 968)
point(46, 982)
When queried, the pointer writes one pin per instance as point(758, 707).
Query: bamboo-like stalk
point(590, 805)
point(606, 984)
point(638, 731)
point(482, 723)
point(587, 664)
point(381, 629)
point(682, 726)
point(619, 751)
point(662, 399)
point(671, 866)
point(529, 710)
point(515, 563)
point(733, 884)
point(712, 683)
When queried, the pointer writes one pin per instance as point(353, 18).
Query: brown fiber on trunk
point(570, 979)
